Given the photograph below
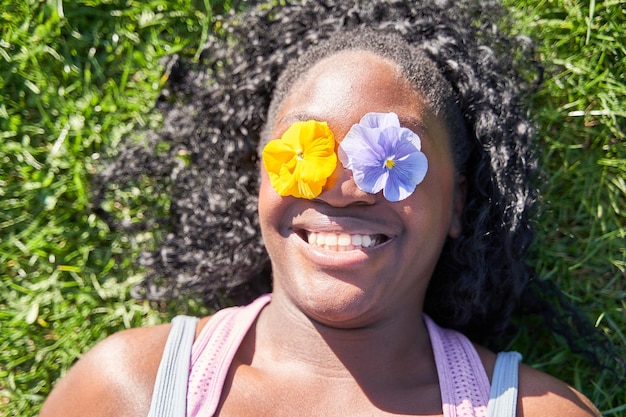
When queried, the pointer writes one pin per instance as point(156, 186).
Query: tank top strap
point(463, 381)
point(213, 352)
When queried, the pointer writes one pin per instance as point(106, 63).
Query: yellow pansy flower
point(302, 160)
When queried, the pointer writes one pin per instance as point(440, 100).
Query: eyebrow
point(414, 124)
point(296, 117)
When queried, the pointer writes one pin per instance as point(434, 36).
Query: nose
point(342, 191)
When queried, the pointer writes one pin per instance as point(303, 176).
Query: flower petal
point(413, 168)
point(384, 156)
point(275, 153)
point(396, 190)
point(302, 160)
point(408, 136)
point(380, 120)
point(370, 179)
point(320, 159)
point(405, 176)
point(361, 138)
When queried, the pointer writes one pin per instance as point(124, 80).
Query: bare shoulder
point(115, 378)
point(543, 395)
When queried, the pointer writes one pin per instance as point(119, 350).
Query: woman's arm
point(542, 395)
point(115, 378)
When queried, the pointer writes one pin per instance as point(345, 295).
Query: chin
point(342, 306)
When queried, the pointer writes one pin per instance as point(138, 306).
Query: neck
point(388, 348)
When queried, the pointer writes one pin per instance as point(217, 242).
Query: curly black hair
point(217, 110)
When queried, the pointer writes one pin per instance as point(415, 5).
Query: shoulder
point(541, 395)
point(115, 378)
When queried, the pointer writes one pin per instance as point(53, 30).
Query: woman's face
point(358, 287)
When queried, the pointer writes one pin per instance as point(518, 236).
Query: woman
point(393, 183)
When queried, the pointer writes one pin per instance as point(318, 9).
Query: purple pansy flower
point(384, 156)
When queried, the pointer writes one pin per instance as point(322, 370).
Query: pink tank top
point(462, 378)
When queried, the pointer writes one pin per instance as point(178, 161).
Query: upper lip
point(351, 223)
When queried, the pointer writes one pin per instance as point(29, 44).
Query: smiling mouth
point(341, 242)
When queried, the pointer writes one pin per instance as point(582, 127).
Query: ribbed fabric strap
point(503, 396)
point(463, 382)
point(169, 398)
point(213, 353)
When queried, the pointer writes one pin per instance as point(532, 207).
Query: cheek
point(265, 198)
point(435, 200)
point(269, 206)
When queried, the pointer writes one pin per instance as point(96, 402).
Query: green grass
point(581, 239)
point(78, 77)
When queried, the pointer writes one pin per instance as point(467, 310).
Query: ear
point(458, 204)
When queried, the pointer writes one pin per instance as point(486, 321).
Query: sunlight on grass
point(78, 78)
point(582, 118)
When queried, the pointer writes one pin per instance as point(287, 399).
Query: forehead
point(342, 88)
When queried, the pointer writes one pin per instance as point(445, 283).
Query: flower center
point(300, 154)
point(390, 163)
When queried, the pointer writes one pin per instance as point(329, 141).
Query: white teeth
point(342, 241)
